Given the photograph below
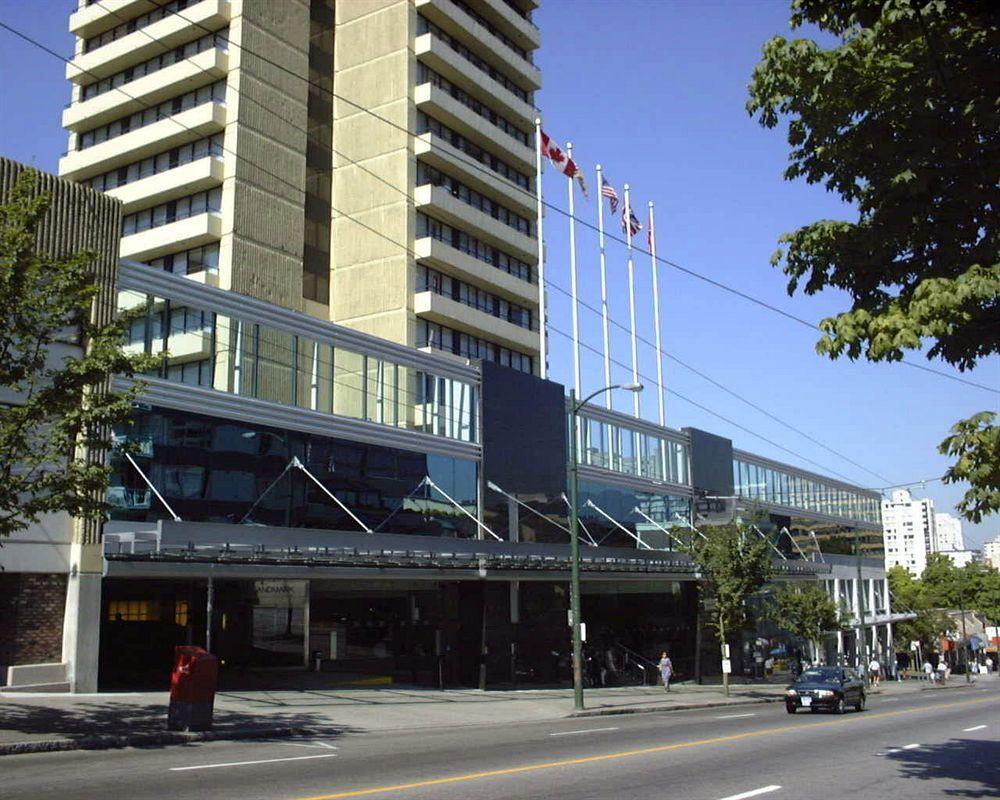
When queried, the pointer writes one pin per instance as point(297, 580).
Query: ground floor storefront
point(373, 631)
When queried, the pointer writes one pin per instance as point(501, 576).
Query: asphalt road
point(932, 744)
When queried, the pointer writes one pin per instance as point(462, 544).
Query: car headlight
point(824, 693)
point(792, 693)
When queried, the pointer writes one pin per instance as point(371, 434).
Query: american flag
point(608, 191)
point(634, 225)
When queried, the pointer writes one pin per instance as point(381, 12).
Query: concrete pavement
point(30, 723)
point(916, 744)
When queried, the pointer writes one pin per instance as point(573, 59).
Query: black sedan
point(826, 689)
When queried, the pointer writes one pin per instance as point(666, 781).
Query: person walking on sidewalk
point(666, 670)
point(875, 671)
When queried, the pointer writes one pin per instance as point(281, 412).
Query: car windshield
point(821, 675)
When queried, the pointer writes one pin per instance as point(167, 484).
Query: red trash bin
point(192, 689)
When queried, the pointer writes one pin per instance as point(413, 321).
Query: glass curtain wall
point(767, 485)
point(242, 357)
point(619, 448)
point(216, 470)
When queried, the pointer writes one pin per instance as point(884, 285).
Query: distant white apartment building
point(991, 552)
point(949, 532)
point(909, 530)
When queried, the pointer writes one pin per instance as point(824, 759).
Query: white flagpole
point(572, 279)
point(631, 301)
point(656, 315)
point(542, 321)
point(608, 396)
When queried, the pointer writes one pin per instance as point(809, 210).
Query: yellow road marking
point(663, 748)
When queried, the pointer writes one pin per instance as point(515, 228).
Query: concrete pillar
point(82, 619)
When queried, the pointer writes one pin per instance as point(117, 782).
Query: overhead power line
point(701, 406)
point(479, 167)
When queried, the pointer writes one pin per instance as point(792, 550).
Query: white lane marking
point(248, 763)
point(973, 728)
point(891, 700)
point(753, 793)
point(588, 730)
point(327, 745)
point(910, 746)
point(736, 716)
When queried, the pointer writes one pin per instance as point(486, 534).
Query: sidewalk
point(39, 722)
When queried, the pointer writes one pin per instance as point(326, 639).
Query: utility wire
point(479, 167)
point(406, 249)
point(561, 289)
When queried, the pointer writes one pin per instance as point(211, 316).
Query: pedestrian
point(942, 669)
point(875, 671)
point(666, 670)
point(989, 665)
point(929, 671)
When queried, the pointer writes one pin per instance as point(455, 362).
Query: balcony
point(140, 45)
point(98, 17)
point(439, 153)
point(452, 314)
point(449, 17)
point(172, 81)
point(521, 30)
point(452, 65)
point(195, 123)
point(447, 259)
point(195, 176)
point(442, 106)
point(181, 235)
point(455, 212)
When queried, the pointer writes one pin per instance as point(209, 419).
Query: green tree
point(59, 409)
point(734, 563)
point(806, 612)
point(899, 119)
point(929, 624)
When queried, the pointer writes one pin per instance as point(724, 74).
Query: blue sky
point(655, 92)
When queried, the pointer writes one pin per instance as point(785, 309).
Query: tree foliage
point(900, 119)
point(55, 366)
point(974, 443)
point(806, 612)
point(734, 563)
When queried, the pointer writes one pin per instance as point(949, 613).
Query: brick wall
point(31, 618)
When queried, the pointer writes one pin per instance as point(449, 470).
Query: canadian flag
point(566, 165)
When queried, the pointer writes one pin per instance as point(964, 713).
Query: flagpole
point(656, 316)
point(572, 279)
point(631, 301)
point(542, 318)
point(608, 396)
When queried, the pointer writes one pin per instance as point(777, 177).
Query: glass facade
point(237, 356)
point(767, 485)
point(215, 470)
point(619, 448)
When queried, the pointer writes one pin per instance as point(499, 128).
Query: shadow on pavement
point(968, 767)
point(115, 720)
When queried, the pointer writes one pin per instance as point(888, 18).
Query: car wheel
point(860, 705)
point(839, 707)
point(789, 708)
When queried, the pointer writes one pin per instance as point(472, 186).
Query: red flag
point(566, 165)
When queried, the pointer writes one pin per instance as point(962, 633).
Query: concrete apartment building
point(910, 531)
point(991, 552)
point(369, 162)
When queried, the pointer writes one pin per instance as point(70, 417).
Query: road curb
point(148, 740)
point(609, 712)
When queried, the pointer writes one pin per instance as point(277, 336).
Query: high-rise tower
point(370, 162)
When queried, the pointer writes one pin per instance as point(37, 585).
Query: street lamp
point(574, 533)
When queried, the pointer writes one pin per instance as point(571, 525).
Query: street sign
point(727, 666)
point(583, 631)
point(725, 651)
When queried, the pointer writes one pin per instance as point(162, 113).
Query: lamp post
point(574, 533)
